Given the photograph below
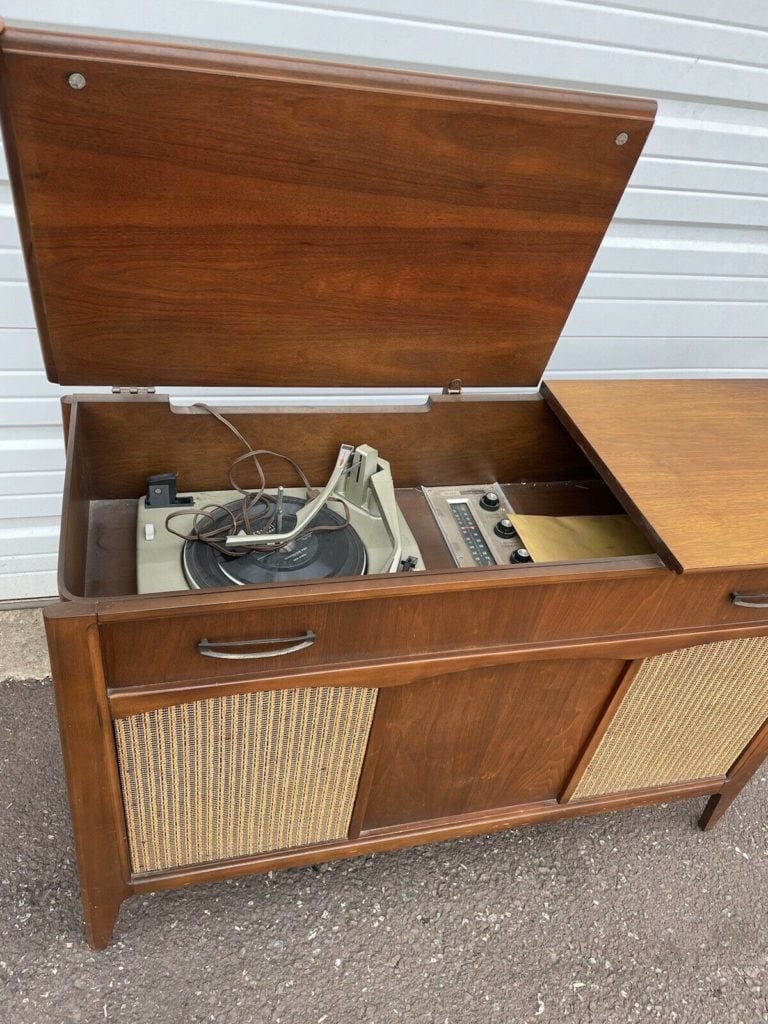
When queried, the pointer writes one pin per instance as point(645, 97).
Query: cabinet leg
point(746, 766)
point(100, 919)
point(90, 761)
point(716, 807)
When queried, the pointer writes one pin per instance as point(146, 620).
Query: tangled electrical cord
point(258, 510)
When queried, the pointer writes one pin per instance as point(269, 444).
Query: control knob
point(490, 501)
point(521, 555)
point(504, 529)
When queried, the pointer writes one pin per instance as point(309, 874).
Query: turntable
point(351, 527)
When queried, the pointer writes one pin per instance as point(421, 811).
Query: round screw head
point(76, 80)
point(622, 138)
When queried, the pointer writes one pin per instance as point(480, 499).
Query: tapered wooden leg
point(90, 761)
point(746, 766)
point(101, 918)
point(716, 807)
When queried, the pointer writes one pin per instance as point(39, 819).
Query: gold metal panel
point(232, 776)
point(687, 715)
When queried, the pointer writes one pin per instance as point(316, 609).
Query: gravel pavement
point(633, 916)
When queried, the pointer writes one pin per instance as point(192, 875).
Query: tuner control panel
point(473, 520)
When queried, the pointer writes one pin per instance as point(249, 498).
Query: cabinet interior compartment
point(114, 444)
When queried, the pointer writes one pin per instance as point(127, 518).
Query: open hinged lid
point(198, 217)
point(688, 459)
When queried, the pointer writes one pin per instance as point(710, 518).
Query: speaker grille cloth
point(687, 715)
point(232, 776)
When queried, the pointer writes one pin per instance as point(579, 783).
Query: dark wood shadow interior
point(119, 442)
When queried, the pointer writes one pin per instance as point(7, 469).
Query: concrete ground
point(634, 916)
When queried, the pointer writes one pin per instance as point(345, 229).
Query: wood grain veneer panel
point(488, 738)
point(194, 217)
point(448, 441)
point(90, 763)
point(687, 458)
point(73, 537)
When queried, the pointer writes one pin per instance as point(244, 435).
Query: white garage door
point(679, 285)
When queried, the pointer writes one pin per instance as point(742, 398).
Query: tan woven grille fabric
point(688, 715)
point(231, 776)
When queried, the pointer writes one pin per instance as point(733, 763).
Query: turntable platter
point(310, 556)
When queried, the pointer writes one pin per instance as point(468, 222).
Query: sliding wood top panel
point(198, 217)
point(687, 458)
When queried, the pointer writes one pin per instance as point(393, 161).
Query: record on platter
point(309, 556)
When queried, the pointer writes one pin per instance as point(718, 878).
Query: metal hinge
point(132, 390)
point(453, 387)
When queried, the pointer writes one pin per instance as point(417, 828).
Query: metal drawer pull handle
point(298, 643)
point(750, 600)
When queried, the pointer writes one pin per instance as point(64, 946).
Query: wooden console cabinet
point(205, 218)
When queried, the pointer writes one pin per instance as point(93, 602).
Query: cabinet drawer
point(266, 637)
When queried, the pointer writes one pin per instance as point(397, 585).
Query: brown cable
point(249, 516)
